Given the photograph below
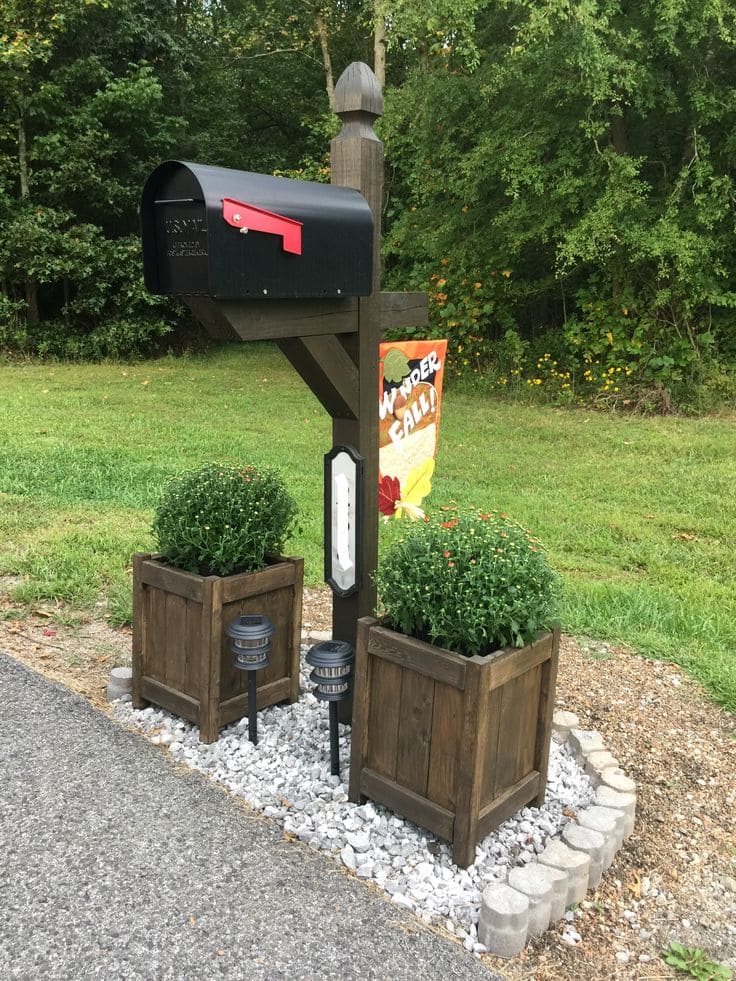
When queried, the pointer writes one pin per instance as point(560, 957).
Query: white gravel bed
point(287, 777)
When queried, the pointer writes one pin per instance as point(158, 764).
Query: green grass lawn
point(639, 515)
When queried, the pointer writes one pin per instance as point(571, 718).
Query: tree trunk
point(618, 134)
point(379, 43)
point(31, 289)
point(326, 60)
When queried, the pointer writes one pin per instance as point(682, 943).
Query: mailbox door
point(181, 231)
point(176, 253)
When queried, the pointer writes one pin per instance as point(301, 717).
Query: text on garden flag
point(409, 397)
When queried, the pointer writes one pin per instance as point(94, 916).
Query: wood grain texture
point(154, 660)
point(140, 620)
point(416, 808)
point(434, 662)
point(237, 707)
point(460, 759)
point(278, 576)
point(170, 579)
point(275, 320)
point(356, 160)
point(361, 705)
point(490, 734)
point(170, 699)
point(328, 371)
point(470, 768)
point(513, 661)
point(193, 651)
point(183, 652)
point(209, 708)
point(517, 728)
point(295, 640)
point(272, 320)
point(507, 804)
point(445, 746)
point(404, 310)
point(383, 717)
point(544, 721)
point(415, 731)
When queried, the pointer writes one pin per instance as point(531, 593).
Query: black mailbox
point(231, 234)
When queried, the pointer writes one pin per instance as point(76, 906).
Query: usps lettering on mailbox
point(231, 234)
point(409, 402)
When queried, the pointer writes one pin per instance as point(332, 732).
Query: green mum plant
point(471, 582)
point(220, 519)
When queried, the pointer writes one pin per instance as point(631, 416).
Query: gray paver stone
point(119, 683)
point(575, 865)
point(562, 723)
point(585, 741)
point(592, 843)
point(544, 888)
point(504, 920)
point(607, 797)
point(560, 882)
point(609, 823)
point(616, 779)
point(597, 762)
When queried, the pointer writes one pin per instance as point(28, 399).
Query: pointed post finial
point(358, 90)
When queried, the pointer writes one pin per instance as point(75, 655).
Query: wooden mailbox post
point(333, 343)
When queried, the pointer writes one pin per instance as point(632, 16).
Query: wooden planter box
point(456, 744)
point(182, 659)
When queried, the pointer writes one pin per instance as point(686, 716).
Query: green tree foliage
point(82, 121)
point(579, 181)
point(94, 95)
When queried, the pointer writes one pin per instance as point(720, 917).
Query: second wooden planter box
point(456, 744)
point(182, 659)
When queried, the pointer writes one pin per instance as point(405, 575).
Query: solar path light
point(332, 661)
point(250, 641)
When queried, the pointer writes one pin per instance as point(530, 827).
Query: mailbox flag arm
point(248, 218)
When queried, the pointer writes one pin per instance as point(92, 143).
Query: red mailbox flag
point(248, 218)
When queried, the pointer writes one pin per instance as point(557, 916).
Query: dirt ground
point(674, 879)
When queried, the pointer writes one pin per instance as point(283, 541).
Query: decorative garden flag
point(410, 391)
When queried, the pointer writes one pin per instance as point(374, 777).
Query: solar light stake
point(332, 661)
point(250, 641)
point(252, 708)
point(334, 741)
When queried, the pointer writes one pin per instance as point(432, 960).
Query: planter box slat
point(469, 765)
point(510, 665)
point(157, 628)
point(192, 649)
point(491, 726)
point(212, 691)
point(415, 731)
point(547, 688)
point(172, 580)
point(180, 646)
point(446, 731)
point(456, 744)
point(384, 712)
point(176, 624)
point(237, 706)
point(507, 804)
point(240, 587)
point(418, 809)
point(447, 668)
point(517, 729)
point(158, 692)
